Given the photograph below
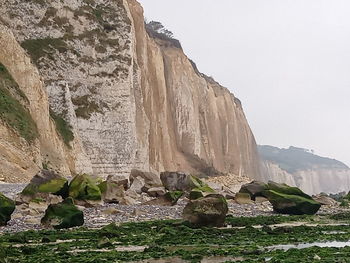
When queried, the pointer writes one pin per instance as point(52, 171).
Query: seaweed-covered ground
point(247, 239)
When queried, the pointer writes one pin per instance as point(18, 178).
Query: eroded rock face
point(131, 101)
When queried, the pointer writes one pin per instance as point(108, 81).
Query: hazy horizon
point(286, 60)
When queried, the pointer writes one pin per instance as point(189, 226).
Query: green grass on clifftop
point(12, 111)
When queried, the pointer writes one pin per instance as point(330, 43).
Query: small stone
point(260, 199)
point(33, 220)
point(111, 211)
point(243, 198)
point(156, 191)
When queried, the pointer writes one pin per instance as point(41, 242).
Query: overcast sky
point(287, 60)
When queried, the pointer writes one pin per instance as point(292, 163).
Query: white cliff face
point(311, 181)
point(131, 101)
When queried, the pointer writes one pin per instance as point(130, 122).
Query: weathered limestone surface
point(132, 101)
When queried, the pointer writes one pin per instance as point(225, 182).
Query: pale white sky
point(288, 61)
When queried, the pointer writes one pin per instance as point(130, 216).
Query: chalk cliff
point(301, 168)
point(107, 97)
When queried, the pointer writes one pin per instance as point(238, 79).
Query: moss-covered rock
point(292, 204)
point(45, 182)
point(286, 189)
point(199, 188)
point(83, 187)
point(43, 185)
point(210, 210)
point(7, 206)
point(173, 196)
point(195, 194)
point(63, 215)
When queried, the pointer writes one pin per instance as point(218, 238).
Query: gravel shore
point(108, 213)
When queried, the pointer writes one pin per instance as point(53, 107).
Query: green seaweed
point(173, 238)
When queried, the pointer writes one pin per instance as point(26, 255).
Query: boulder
point(84, 188)
point(156, 191)
point(254, 189)
point(177, 181)
point(7, 207)
point(113, 194)
point(137, 185)
point(119, 180)
point(210, 210)
point(169, 199)
point(243, 198)
point(150, 179)
point(286, 189)
point(113, 189)
point(63, 215)
point(325, 200)
point(42, 185)
point(291, 204)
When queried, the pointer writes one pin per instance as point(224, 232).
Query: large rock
point(177, 181)
point(42, 185)
point(210, 210)
point(119, 180)
point(7, 206)
point(138, 185)
point(84, 188)
point(112, 193)
point(169, 199)
point(325, 200)
point(63, 215)
point(254, 189)
point(286, 189)
point(292, 204)
point(151, 179)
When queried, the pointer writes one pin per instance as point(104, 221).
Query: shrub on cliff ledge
point(157, 30)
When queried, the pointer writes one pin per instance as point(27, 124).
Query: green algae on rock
point(45, 181)
point(83, 187)
point(7, 206)
point(63, 215)
point(292, 204)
